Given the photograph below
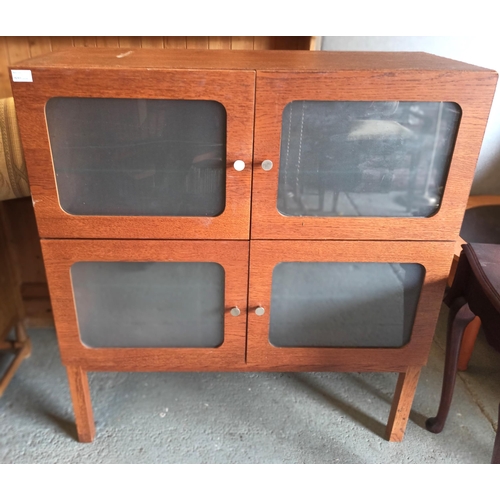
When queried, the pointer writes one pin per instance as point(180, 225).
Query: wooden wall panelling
point(242, 43)
point(10, 303)
point(130, 41)
point(84, 41)
point(153, 42)
point(175, 42)
point(5, 90)
point(61, 42)
point(39, 45)
point(18, 48)
point(262, 42)
point(197, 42)
point(25, 241)
point(107, 41)
point(219, 42)
point(27, 254)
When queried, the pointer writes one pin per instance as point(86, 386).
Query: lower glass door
point(149, 304)
point(344, 305)
point(141, 305)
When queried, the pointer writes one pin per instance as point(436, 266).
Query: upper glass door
point(365, 159)
point(354, 156)
point(139, 157)
point(129, 155)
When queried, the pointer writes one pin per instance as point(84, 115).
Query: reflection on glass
point(138, 156)
point(149, 304)
point(365, 159)
point(339, 304)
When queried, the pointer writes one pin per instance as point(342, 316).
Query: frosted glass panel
point(149, 304)
point(337, 304)
point(365, 159)
point(138, 156)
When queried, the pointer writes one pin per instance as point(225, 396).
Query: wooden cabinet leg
point(401, 404)
point(82, 406)
point(459, 317)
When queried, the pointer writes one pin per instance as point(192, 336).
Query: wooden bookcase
point(348, 172)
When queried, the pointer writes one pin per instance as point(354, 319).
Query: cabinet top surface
point(264, 60)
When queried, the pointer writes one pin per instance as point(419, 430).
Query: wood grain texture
point(233, 89)
point(85, 41)
point(18, 48)
point(473, 91)
point(263, 42)
point(130, 42)
point(34, 46)
point(197, 42)
point(234, 77)
point(152, 42)
point(11, 309)
point(37, 306)
point(471, 87)
point(401, 404)
point(5, 90)
point(242, 43)
point(61, 43)
point(175, 42)
point(219, 42)
point(435, 257)
point(24, 240)
point(82, 405)
point(107, 41)
point(296, 61)
point(59, 255)
point(39, 45)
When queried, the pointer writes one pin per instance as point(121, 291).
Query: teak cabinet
point(246, 211)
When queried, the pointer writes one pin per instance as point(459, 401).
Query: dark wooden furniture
point(320, 259)
point(480, 225)
point(475, 292)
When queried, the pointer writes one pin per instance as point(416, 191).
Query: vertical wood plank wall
point(16, 48)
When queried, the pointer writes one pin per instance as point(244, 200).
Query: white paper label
point(21, 75)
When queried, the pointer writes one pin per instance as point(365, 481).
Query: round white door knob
point(235, 311)
point(239, 165)
point(267, 165)
point(260, 311)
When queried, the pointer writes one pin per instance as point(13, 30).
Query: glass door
point(332, 303)
point(149, 304)
point(367, 155)
point(125, 154)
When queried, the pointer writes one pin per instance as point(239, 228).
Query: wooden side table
point(475, 292)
